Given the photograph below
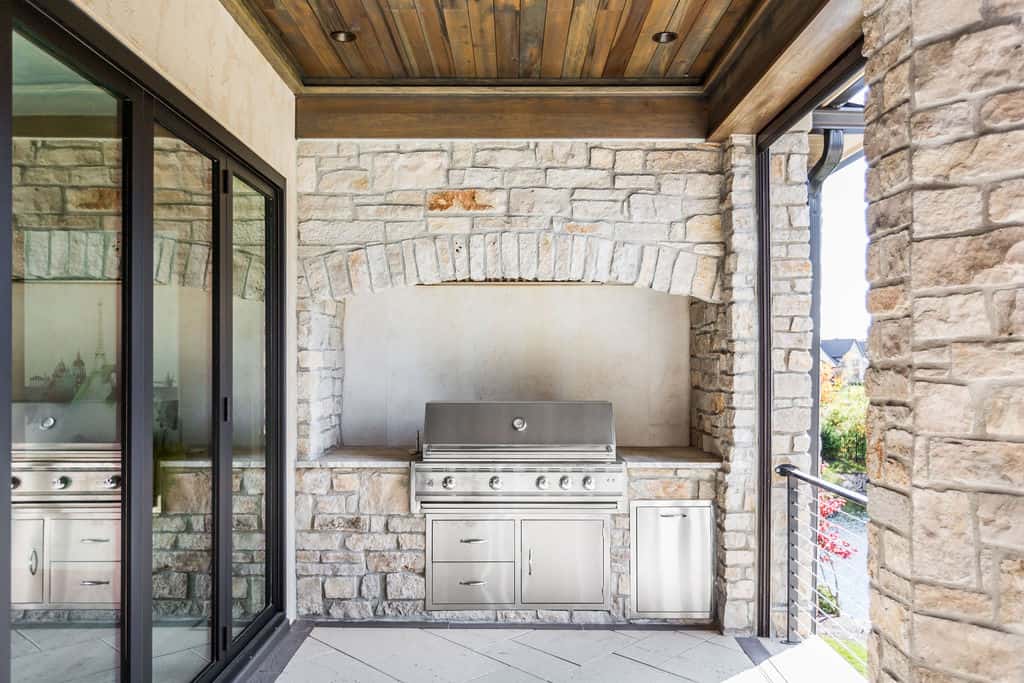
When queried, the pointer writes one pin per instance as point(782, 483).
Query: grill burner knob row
point(564, 483)
point(542, 483)
point(448, 483)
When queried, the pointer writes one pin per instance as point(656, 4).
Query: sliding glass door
point(66, 369)
point(141, 396)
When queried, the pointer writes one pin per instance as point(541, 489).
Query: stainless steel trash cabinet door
point(673, 559)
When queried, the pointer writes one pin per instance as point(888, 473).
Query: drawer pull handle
point(474, 584)
point(673, 514)
point(88, 582)
point(529, 562)
point(33, 562)
point(473, 541)
point(95, 540)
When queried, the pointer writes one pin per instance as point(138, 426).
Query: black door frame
point(147, 97)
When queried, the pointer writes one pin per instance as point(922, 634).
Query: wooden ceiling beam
point(428, 114)
point(781, 50)
point(266, 39)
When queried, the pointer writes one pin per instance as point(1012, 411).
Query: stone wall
point(944, 143)
point(723, 400)
point(376, 215)
point(361, 554)
point(792, 341)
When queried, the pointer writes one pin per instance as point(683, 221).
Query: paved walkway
point(500, 655)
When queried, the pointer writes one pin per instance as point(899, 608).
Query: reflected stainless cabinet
point(672, 558)
point(27, 561)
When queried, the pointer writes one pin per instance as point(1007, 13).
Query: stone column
point(792, 338)
point(737, 347)
point(945, 149)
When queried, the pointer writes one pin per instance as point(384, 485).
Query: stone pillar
point(792, 340)
point(945, 150)
point(737, 347)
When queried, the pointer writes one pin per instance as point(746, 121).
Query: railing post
point(793, 538)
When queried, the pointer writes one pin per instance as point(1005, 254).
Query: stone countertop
point(678, 457)
point(681, 457)
point(362, 456)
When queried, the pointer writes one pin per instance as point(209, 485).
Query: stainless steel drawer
point(85, 540)
point(473, 583)
point(85, 582)
point(491, 540)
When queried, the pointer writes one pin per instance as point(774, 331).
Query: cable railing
point(826, 562)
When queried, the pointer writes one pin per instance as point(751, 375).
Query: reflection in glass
point(183, 445)
point(249, 418)
point(66, 316)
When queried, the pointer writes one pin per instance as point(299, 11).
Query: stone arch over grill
point(514, 256)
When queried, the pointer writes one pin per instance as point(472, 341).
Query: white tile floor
point(455, 655)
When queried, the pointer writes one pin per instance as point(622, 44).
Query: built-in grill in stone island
point(519, 500)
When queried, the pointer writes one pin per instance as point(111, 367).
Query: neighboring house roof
point(835, 349)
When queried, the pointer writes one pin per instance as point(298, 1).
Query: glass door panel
point(183, 427)
point(66, 295)
point(249, 418)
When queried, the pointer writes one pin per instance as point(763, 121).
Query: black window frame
point(147, 99)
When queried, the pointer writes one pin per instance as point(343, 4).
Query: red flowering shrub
point(828, 534)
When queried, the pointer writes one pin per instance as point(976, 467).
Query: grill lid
point(519, 430)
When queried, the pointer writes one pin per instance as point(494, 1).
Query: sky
point(844, 244)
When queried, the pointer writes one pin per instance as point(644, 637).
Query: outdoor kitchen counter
point(635, 457)
point(684, 457)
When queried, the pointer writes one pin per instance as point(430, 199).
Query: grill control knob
point(60, 483)
point(15, 483)
point(112, 482)
point(542, 483)
point(495, 483)
point(47, 423)
point(448, 483)
point(564, 483)
point(588, 483)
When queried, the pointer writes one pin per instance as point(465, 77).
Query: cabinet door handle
point(473, 541)
point(472, 583)
point(89, 582)
point(529, 562)
point(672, 514)
point(95, 540)
point(33, 562)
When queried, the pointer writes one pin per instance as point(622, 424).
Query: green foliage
point(854, 652)
point(828, 601)
point(843, 429)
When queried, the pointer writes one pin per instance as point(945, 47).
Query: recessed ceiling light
point(664, 36)
point(344, 36)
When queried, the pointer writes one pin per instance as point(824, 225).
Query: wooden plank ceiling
point(492, 41)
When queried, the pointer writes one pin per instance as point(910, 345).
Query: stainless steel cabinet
point(27, 561)
point(520, 559)
point(563, 561)
point(672, 558)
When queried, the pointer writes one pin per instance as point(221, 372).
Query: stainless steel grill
point(542, 455)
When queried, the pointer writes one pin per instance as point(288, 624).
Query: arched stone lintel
point(513, 257)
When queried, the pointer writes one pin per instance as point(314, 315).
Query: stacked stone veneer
point(361, 555)
point(792, 341)
point(376, 215)
point(945, 150)
point(723, 400)
point(67, 215)
point(673, 217)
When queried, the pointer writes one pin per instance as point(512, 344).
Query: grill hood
point(519, 431)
